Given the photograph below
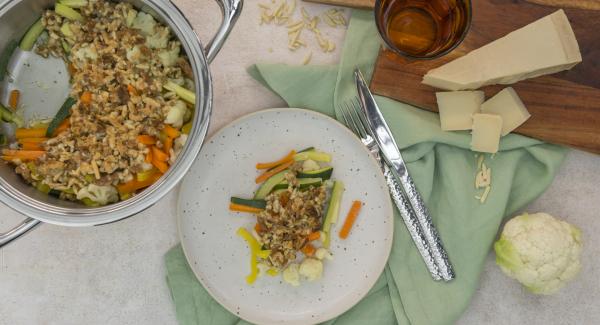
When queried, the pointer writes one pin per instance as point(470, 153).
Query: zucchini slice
point(63, 113)
point(313, 155)
point(32, 35)
point(67, 12)
point(307, 149)
point(259, 204)
point(5, 57)
point(268, 185)
point(302, 184)
point(333, 210)
point(323, 173)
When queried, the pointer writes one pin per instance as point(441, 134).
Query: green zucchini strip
point(183, 93)
point(259, 204)
point(67, 12)
point(63, 113)
point(32, 35)
point(333, 211)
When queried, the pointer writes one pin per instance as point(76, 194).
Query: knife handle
point(431, 234)
point(412, 223)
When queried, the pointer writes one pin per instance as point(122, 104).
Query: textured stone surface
point(114, 274)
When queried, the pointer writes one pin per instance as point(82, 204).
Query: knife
point(393, 158)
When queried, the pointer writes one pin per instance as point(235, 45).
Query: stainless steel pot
point(15, 18)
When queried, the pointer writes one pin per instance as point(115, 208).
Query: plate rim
point(388, 207)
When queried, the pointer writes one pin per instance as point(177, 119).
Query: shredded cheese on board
point(483, 178)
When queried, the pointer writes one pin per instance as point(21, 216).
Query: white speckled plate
point(220, 259)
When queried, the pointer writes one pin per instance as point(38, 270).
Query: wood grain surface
point(565, 107)
point(361, 4)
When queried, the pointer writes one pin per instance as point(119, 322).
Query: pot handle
point(18, 231)
point(231, 10)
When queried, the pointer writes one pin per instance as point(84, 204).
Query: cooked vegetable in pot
point(121, 127)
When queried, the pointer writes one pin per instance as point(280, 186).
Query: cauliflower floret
point(134, 54)
point(323, 253)
point(176, 114)
point(159, 39)
point(310, 165)
point(145, 23)
point(176, 150)
point(312, 269)
point(130, 17)
point(291, 275)
point(169, 57)
point(102, 195)
point(84, 53)
point(540, 251)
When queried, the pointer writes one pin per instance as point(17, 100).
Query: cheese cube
point(545, 46)
point(509, 106)
point(457, 108)
point(486, 133)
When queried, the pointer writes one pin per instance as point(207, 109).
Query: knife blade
point(393, 157)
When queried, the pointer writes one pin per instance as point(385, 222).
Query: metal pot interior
point(44, 85)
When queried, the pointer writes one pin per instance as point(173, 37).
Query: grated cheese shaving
point(307, 59)
point(483, 178)
point(485, 194)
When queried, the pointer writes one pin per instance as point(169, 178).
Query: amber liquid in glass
point(424, 27)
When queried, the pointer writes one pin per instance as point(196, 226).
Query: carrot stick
point(30, 133)
point(32, 146)
point(13, 101)
point(146, 139)
point(350, 218)
point(314, 236)
point(86, 98)
point(288, 157)
point(158, 154)
point(135, 185)
point(258, 228)
point(32, 140)
point(149, 156)
point(309, 250)
point(160, 165)
point(167, 145)
point(243, 208)
point(62, 127)
point(273, 171)
point(171, 132)
point(23, 154)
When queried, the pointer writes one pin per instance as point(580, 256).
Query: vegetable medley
point(295, 206)
point(129, 109)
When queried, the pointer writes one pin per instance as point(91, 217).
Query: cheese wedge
point(543, 47)
point(457, 108)
point(509, 106)
point(486, 133)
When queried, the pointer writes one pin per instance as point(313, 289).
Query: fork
point(355, 121)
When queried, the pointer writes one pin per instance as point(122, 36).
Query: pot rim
point(85, 216)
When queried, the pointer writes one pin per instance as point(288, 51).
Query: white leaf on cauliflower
point(540, 251)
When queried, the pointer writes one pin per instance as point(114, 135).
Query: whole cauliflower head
point(540, 251)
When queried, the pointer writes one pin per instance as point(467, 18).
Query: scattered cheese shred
point(307, 59)
point(483, 178)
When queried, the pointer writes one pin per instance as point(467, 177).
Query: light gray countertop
point(114, 274)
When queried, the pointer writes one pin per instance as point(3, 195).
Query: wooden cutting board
point(565, 107)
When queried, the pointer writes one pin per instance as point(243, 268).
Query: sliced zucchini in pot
point(5, 57)
point(259, 204)
point(323, 173)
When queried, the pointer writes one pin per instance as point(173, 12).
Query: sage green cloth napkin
point(443, 168)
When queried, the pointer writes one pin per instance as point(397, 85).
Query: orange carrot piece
point(350, 218)
point(135, 185)
point(309, 250)
point(171, 132)
point(62, 127)
point(243, 208)
point(30, 133)
point(149, 156)
point(158, 154)
point(167, 145)
point(32, 146)
point(160, 165)
point(13, 101)
point(86, 98)
point(23, 154)
point(273, 171)
point(72, 69)
point(146, 139)
point(287, 158)
point(258, 228)
point(32, 140)
point(314, 236)
point(131, 90)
